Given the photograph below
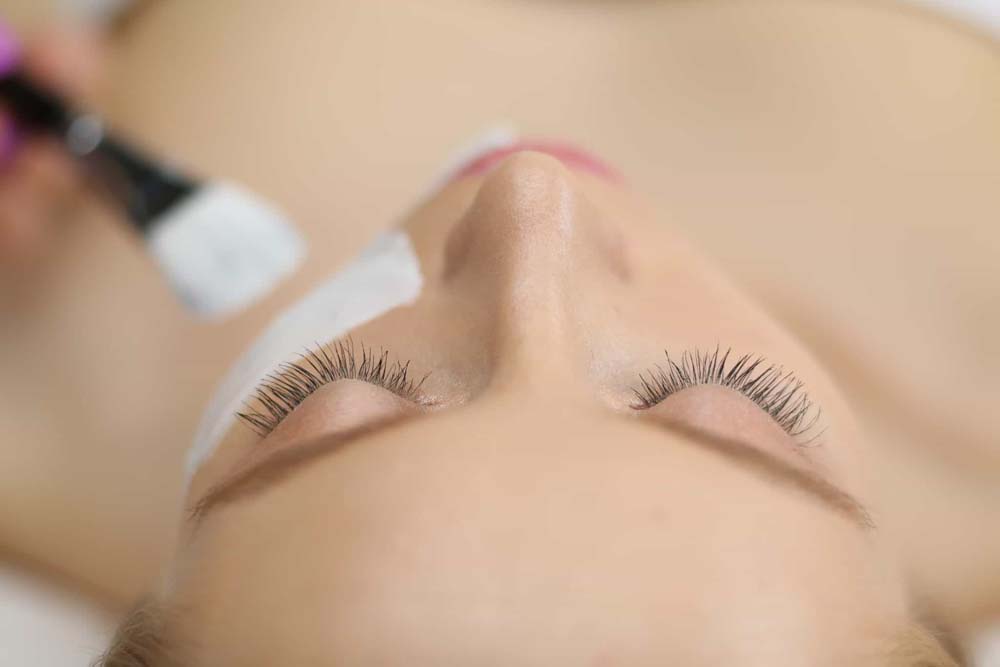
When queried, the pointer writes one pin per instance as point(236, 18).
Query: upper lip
point(570, 155)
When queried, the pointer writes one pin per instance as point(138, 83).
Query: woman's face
point(537, 491)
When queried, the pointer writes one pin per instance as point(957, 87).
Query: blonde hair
point(140, 642)
point(922, 646)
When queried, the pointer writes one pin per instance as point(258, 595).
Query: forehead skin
point(563, 537)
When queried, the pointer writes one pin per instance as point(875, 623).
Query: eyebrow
point(768, 466)
point(284, 463)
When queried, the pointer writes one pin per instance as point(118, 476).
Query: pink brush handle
point(10, 49)
point(9, 52)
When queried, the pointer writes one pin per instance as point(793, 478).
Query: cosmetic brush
point(219, 246)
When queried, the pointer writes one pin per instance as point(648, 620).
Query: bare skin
point(570, 533)
point(851, 199)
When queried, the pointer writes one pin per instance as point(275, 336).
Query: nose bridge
point(524, 247)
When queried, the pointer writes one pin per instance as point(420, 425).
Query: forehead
point(466, 536)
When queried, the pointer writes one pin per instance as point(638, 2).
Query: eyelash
point(283, 390)
point(778, 393)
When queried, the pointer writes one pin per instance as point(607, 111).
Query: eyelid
point(719, 412)
point(284, 389)
point(777, 392)
point(339, 407)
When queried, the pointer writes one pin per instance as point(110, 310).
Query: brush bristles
point(222, 248)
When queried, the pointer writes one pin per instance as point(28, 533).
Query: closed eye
point(777, 392)
point(285, 388)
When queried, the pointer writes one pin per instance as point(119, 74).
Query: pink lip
point(571, 156)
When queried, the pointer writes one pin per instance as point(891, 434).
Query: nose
point(529, 248)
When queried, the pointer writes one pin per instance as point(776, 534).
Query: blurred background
point(840, 158)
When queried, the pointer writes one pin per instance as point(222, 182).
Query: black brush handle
point(144, 188)
point(34, 107)
point(138, 183)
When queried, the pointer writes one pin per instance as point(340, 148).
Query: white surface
point(384, 276)
point(981, 14)
point(223, 248)
point(985, 647)
point(42, 626)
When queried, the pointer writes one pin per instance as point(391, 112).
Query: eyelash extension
point(284, 389)
point(778, 393)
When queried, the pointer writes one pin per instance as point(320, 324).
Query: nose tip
point(529, 222)
point(522, 215)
